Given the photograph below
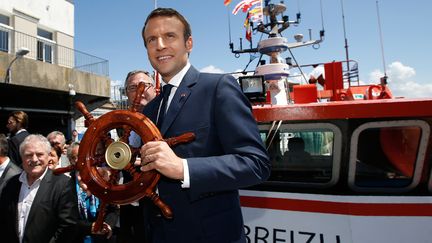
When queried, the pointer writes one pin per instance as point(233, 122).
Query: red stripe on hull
point(345, 208)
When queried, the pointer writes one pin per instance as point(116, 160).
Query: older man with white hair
point(37, 206)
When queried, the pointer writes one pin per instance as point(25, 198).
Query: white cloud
point(211, 69)
point(401, 81)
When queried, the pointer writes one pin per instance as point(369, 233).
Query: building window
point(4, 33)
point(45, 46)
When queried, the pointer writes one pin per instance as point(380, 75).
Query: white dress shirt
point(3, 166)
point(25, 200)
point(175, 81)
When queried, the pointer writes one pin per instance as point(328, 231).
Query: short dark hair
point(20, 117)
point(168, 12)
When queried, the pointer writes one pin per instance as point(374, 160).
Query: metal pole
point(346, 45)
point(384, 80)
point(7, 78)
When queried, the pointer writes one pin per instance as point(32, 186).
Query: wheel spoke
point(126, 133)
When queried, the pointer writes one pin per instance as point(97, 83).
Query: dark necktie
point(166, 90)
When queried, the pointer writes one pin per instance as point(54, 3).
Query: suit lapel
point(151, 109)
point(179, 99)
point(43, 190)
point(5, 173)
point(9, 172)
point(177, 103)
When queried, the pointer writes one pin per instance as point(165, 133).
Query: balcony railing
point(118, 98)
point(48, 51)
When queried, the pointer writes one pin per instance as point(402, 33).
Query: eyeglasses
point(134, 87)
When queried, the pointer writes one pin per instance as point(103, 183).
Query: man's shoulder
point(214, 80)
point(13, 168)
point(57, 180)
point(20, 136)
point(215, 75)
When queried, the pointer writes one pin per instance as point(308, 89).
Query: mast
point(346, 45)
point(383, 80)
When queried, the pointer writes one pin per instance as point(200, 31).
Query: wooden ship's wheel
point(101, 159)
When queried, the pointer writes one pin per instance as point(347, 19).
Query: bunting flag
point(256, 13)
point(227, 2)
point(244, 5)
point(247, 25)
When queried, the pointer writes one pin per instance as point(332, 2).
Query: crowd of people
point(199, 180)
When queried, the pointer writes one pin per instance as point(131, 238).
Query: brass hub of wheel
point(118, 155)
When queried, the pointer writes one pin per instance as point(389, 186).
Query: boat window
point(303, 154)
point(387, 156)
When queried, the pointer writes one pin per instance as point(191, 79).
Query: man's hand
point(106, 230)
point(157, 155)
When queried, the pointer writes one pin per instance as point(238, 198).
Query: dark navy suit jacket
point(226, 155)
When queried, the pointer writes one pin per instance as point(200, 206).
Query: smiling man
point(200, 179)
point(37, 206)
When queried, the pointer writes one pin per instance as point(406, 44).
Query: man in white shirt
point(7, 168)
point(37, 206)
point(199, 180)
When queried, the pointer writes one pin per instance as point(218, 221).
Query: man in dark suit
point(7, 168)
point(200, 179)
point(36, 206)
point(17, 124)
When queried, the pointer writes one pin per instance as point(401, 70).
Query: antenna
point(346, 44)
point(229, 26)
point(383, 80)
point(322, 16)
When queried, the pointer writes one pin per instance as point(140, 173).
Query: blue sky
point(112, 30)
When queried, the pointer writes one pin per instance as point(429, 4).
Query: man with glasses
point(132, 228)
point(131, 84)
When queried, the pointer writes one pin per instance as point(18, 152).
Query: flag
point(247, 25)
point(227, 2)
point(256, 13)
point(244, 5)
